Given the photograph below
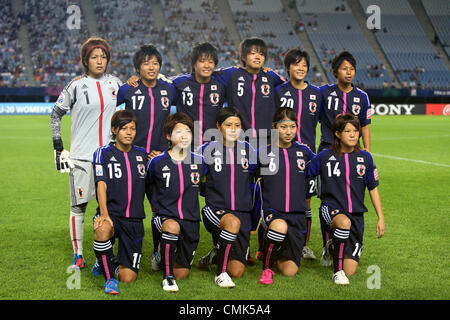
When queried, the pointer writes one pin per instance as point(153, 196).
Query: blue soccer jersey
point(200, 101)
point(344, 178)
point(253, 95)
point(174, 186)
point(306, 103)
point(335, 101)
point(284, 185)
point(151, 107)
point(124, 174)
point(229, 176)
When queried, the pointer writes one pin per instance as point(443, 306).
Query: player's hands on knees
point(133, 81)
point(380, 227)
point(102, 221)
point(63, 163)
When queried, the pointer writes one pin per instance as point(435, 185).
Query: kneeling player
point(174, 178)
point(227, 213)
point(284, 188)
point(345, 172)
point(119, 170)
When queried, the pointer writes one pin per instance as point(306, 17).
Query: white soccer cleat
point(307, 253)
point(340, 278)
point(223, 280)
point(169, 284)
point(326, 260)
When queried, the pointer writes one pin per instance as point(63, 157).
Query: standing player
point(91, 100)
point(342, 97)
point(174, 177)
point(284, 186)
point(346, 171)
point(150, 100)
point(227, 213)
point(305, 100)
point(250, 89)
point(201, 95)
point(120, 184)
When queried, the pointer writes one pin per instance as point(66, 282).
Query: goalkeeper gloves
point(62, 161)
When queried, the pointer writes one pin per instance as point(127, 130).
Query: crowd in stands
point(54, 48)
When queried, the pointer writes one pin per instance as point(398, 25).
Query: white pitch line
point(412, 160)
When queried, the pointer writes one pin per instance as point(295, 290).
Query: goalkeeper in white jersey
point(91, 101)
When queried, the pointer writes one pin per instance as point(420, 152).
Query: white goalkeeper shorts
point(81, 182)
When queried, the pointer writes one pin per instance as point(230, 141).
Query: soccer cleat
point(169, 284)
point(266, 276)
point(307, 253)
point(96, 269)
point(327, 260)
point(111, 286)
point(340, 278)
point(156, 261)
point(78, 261)
point(223, 280)
point(206, 261)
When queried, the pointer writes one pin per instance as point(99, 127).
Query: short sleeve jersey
point(344, 178)
point(335, 101)
point(91, 103)
point(174, 186)
point(253, 95)
point(230, 175)
point(306, 103)
point(200, 101)
point(124, 174)
point(151, 107)
point(284, 184)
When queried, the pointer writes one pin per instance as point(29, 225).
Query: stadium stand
point(12, 63)
point(408, 49)
point(126, 26)
point(54, 47)
point(195, 21)
point(439, 11)
point(332, 28)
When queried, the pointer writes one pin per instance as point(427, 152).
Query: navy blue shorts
point(354, 243)
point(292, 246)
point(130, 233)
point(241, 247)
point(187, 239)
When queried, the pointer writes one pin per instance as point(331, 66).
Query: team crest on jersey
point(113, 92)
point(195, 177)
point(356, 109)
point(301, 164)
point(375, 174)
point(265, 89)
point(244, 163)
point(361, 169)
point(80, 192)
point(214, 98)
point(312, 106)
point(141, 169)
point(165, 102)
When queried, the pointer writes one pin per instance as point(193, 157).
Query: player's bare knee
point(235, 268)
point(342, 221)
point(181, 273)
point(104, 232)
point(279, 225)
point(171, 226)
point(230, 223)
point(127, 275)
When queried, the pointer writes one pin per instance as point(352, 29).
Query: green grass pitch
point(412, 154)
